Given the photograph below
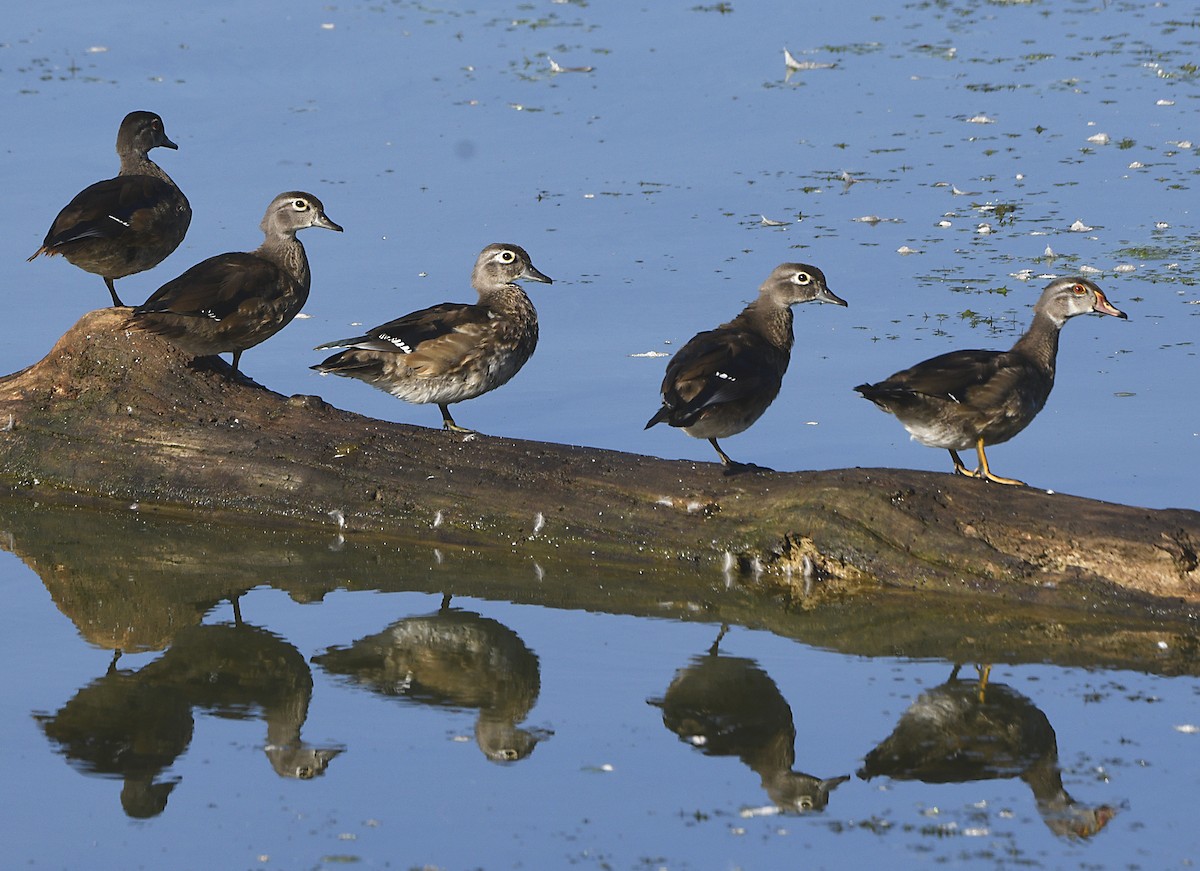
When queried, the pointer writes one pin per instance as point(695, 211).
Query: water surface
point(937, 160)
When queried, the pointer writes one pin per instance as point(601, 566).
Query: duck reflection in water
point(454, 659)
point(966, 730)
point(134, 724)
point(728, 706)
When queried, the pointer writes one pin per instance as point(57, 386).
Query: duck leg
point(983, 671)
point(724, 456)
point(959, 467)
point(448, 422)
point(234, 373)
point(113, 290)
point(984, 472)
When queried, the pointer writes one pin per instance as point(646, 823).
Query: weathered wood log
point(133, 580)
point(113, 413)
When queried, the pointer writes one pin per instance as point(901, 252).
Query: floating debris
point(1100, 139)
point(1090, 270)
point(980, 119)
point(1080, 227)
point(767, 222)
point(768, 810)
point(904, 249)
point(1137, 164)
point(651, 354)
point(1165, 103)
point(983, 229)
point(954, 189)
point(1187, 729)
point(539, 523)
point(1124, 267)
point(792, 64)
point(556, 68)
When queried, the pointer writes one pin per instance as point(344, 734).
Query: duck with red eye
point(973, 399)
point(722, 380)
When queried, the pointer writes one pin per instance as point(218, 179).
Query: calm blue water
point(430, 131)
point(605, 779)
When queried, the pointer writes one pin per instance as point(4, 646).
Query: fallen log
point(112, 413)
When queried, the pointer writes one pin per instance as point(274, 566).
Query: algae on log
point(115, 413)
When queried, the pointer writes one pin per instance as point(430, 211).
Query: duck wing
point(719, 366)
point(957, 376)
point(433, 341)
point(108, 209)
point(219, 286)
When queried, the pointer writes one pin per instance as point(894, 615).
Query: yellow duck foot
point(449, 425)
point(982, 471)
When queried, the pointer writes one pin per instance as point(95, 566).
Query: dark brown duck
point(234, 301)
point(722, 380)
point(126, 224)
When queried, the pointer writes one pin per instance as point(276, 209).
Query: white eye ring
point(299, 205)
point(802, 278)
point(507, 256)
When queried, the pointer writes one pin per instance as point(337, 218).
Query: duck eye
point(1078, 290)
point(802, 278)
point(507, 256)
point(299, 205)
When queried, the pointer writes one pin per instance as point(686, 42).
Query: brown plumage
point(234, 301)
point(722, 380)
point(969, 399)
point(454, 351)
point(126, 224)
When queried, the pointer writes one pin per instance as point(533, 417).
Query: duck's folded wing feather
point(107, 209)
point(951, 376)
point(215, 288)
point(717, 367)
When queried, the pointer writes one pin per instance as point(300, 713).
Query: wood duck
point(454, 351)
point(126, 224)
point(969, 399)
point(722, 380)
point(231, 302)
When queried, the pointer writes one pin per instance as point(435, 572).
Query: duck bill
point(532, 273)
point(323, 221)
point(827, 295)
point(1104, 307)
point(167, 143)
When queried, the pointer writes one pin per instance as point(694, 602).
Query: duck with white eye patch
point(234, 301)
point(451, 352)
point(972, 399)
point(722, 380)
